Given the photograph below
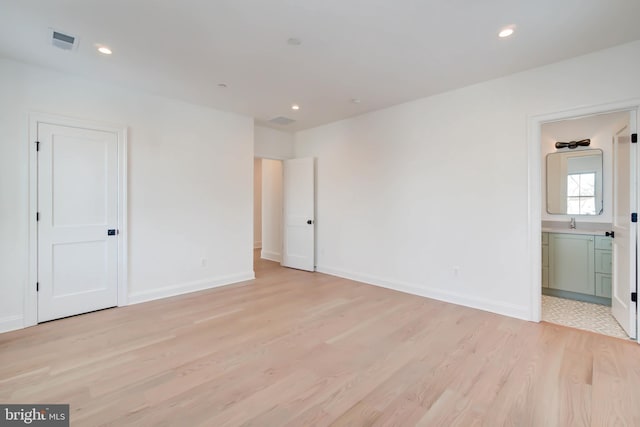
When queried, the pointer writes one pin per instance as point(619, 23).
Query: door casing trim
point(534, 219)
point(30, 317)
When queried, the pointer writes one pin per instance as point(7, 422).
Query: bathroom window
point(581, 193)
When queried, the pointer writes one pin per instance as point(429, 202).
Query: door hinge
point(37, 286)
point(610, 234)
point(634, 217)
point(634, 137)
point(37, 216)
point(634, 297)
point(37, 145)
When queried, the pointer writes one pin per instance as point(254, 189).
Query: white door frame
point(30, 294)
point(534, 219)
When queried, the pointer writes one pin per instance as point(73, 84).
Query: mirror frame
point(599, 181)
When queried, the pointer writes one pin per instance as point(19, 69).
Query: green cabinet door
point(545, 260)
point(603, 285)
point(571, 263)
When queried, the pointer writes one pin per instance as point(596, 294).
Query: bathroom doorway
point(588, 180)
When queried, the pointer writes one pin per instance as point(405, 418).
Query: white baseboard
point(506, 309)
point(185, 288)
point(271, 256)
point(11, 323)
point(257, 245)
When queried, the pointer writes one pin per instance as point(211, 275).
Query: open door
point(624, 241)
point(299, 210)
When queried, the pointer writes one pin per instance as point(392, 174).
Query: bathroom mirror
point(574, 182)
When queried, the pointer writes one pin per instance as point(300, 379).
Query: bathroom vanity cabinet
point(603, 266)
point(577, 266)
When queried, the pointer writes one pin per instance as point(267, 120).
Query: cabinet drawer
point(545, 238)
point(603, 242)
point(603, 285)
point(603, 262)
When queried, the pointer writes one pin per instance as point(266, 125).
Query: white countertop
point(575, 231)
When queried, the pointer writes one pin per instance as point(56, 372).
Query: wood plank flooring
point(300, 349)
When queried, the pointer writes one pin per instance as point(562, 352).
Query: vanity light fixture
point(573, 144)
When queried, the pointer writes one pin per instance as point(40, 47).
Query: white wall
point(431, 196)
point(272, 210)
point(600, 129)
point(257, 203)
point(190, 184)
point(272, 144)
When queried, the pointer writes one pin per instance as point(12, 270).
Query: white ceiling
point(381, 51)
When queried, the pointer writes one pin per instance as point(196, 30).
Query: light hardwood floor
point(300, 349)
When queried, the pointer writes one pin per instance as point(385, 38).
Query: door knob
point(309, 221)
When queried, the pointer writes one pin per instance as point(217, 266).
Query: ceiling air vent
point(282, 121)
point(63, 41)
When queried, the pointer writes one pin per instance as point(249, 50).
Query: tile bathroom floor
point(581, 315)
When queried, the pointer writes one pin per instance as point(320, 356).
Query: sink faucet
point(572, 223)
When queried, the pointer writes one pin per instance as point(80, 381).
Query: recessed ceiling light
point(295, 107)
point(293, 41)
point(506, 32)
point(104, 50)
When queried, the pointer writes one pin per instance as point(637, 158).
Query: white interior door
point(624, 241)
point(299, 210)
point(77, 205)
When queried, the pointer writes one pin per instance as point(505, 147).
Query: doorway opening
point(267, 213)
point(588, 240)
